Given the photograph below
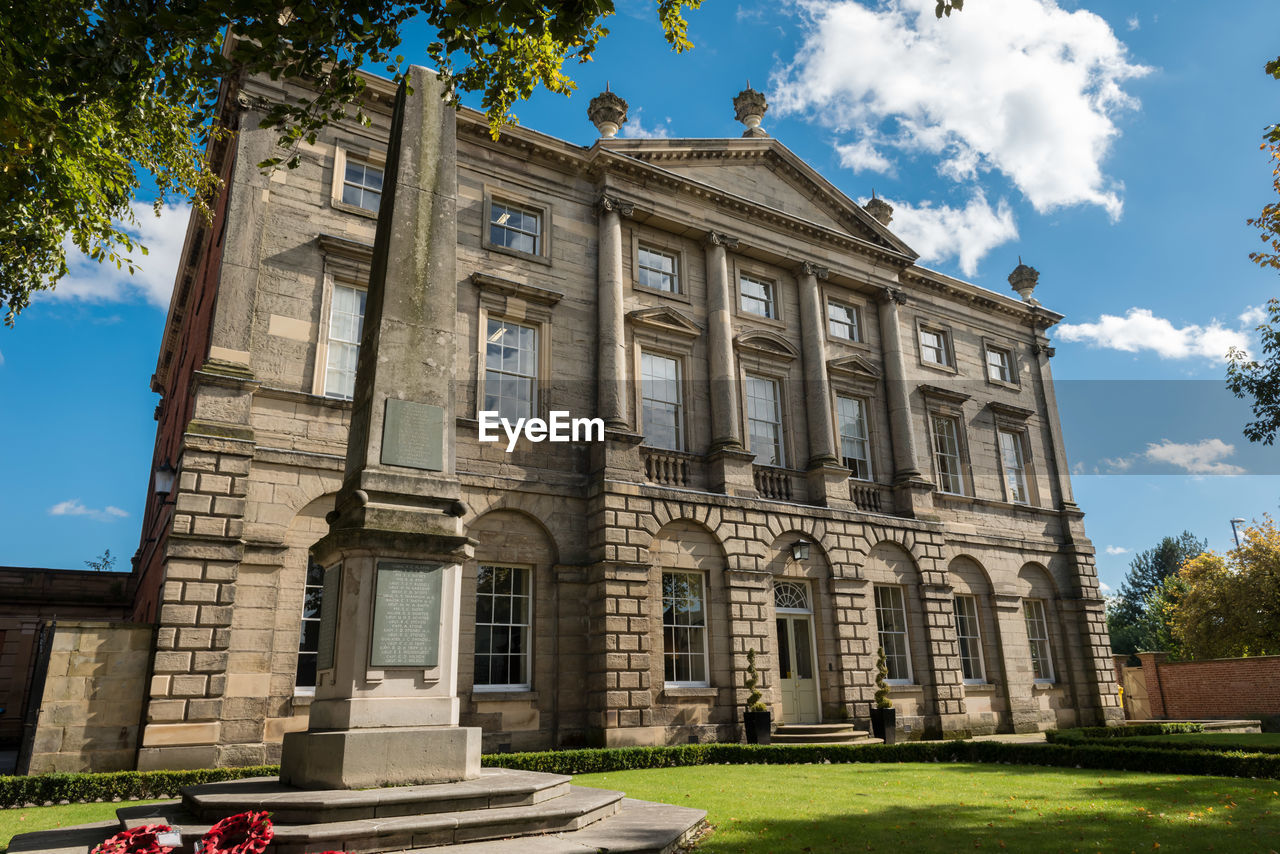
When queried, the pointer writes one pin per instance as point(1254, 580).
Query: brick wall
point(1224, 688)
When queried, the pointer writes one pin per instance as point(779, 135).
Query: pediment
point(766, 172)
point(769, 344)
point(665, 319)
point(855, 366)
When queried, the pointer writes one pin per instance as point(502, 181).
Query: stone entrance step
point(822, 734)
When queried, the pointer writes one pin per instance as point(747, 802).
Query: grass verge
point(953, 807)
point(30, 819)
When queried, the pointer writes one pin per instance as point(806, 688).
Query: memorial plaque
point(329, 596)
point(406, 615)
point(413, 435)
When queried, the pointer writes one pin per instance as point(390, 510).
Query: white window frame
point(779, 421)
point(969, 628)
point(1011, 443)
point(526, 573)
point(945, 345)
point(854, 321)
point(900, 606)
point(865, 438)
point(944, 486)
point(771, 289)
point(1008, 375)
point(304, 620)
point(668, 653)
point(526, 204)
point(326, 387)
point(371, 160)
point(681, 442)
point(672, 276)
point(487, 333)
point(525, 212)
point(1036, 616)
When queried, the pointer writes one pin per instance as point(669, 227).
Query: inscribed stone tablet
point(406, 615)
point(413, 435)
point(329, 595)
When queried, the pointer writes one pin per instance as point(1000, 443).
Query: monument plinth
point(386, 706)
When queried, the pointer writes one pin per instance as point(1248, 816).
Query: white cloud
point(1141, 330)
point(74, 507)
point(1117, 550)
point(152, 280)
point(863, 156)
point(1253, 316)
point(1133, 23)
point(1, 360)
point(1104, 587)
point(1203, 457)
point(635, 129)
point(943, 232)
point(1020, 86)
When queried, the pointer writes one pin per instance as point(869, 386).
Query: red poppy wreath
point(246, 833)
point(136, 840)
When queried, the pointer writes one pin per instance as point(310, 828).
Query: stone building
point(814, 448)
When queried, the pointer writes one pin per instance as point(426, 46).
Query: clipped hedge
point(1095, 733)
point(121, 785)
point(1075, 755)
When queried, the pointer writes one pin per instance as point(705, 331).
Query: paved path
point(1012, 737)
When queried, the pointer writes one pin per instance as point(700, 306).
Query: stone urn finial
point(607, 112)
point(1024, 279)
point(749, 107)
point(880, 209)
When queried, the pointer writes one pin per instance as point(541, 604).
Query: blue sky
point(1113, 145)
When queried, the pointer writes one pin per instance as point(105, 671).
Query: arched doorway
point(797, 654)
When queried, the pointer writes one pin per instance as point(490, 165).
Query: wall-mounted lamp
point(1235, 531)
point(164, 478)
point(800, 550)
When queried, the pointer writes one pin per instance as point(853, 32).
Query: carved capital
point(613, 203)
point(816, 270)
point(893, 295)
point(1044, 348)
point(715, 238)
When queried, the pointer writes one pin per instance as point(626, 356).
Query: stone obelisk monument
point(386, 705)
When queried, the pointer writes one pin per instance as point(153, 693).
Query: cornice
point(506, 287)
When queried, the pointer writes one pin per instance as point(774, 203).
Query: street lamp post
point(1235, 531)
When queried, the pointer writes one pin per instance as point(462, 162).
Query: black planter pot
point(884, 724)
point(759, 727)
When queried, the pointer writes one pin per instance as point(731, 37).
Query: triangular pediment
point(766, 172)
point(665, 319)
point(855, 366)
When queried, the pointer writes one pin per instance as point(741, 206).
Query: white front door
point(796, 671)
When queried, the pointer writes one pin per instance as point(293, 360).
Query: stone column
point(386, 707)
point(612, 369)
point(731, 471)
point(1097, 696)
point(1015, 661)
point(1059, 473)
point(828, 482)
point(913, 493)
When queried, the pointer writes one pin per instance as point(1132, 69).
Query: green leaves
point(98, 97)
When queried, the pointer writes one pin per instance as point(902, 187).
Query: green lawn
point(15, 821)
point(948, 808)
point(1220, 740)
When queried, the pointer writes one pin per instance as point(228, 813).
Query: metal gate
point(35, 693)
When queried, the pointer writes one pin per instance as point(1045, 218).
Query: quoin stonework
point(813, 448)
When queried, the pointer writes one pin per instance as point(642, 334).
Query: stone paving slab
point(67, 840)
point(639, 827)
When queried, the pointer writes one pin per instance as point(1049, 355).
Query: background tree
point(1246, 377)
point(1230, 605)
point(105, 562)
point(1134, 614)
point(97, 96)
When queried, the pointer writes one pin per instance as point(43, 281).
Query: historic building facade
point(813, 448)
